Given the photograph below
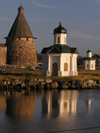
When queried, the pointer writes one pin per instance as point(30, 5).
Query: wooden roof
point(2, 45)
point(20, 27)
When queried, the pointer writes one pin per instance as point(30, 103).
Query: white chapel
point(59, 59)
point(89, 62)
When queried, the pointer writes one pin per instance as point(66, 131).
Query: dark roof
point(59, 48)
point(88, 58)
point(60, 29)
point(89, 50)
point(20, 27)
point(2, 45)
point(96, 56)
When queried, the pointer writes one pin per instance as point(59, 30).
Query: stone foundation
point(3, 53)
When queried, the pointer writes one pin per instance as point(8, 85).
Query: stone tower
point(21, 43)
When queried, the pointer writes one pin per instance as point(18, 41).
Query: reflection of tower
point(21, 107)
point(68, 102)
point(2, 103)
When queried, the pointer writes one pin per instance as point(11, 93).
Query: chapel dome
point(89, 50)
point(60, 29)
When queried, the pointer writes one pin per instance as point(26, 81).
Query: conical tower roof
point(20, 26)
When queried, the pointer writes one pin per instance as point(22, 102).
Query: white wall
point(63, 38)
point(89, 64)
point(89, 54)
point(45, 64)
point(60, 59)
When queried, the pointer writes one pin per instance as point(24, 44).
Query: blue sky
point(81, 18)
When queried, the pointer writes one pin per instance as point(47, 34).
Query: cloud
point(79, 34)
point(88, 0)
point(97, 23)
point(6, 19)
point(96, 0)
point(36, 20)
point(41, 5)
point(42, 20)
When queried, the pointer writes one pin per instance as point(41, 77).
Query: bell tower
point(60, 35)
point(89, 53)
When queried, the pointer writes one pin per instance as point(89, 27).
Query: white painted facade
point(89, 54)
point(60, 59)
point(66, 63)
point(89, 62)
point(60, 39)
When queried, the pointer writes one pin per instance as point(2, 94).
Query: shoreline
point(38, 84)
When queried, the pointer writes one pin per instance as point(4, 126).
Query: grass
point(23, 74)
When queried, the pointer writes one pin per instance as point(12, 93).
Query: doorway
point(55, 69)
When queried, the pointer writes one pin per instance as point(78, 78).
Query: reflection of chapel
point(59, 59)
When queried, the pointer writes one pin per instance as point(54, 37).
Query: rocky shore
point(36, 84)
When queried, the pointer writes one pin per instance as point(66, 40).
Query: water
point(68, 111)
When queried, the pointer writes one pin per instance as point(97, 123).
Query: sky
point(81, 18)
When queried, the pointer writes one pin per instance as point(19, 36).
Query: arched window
point(65, 66)
point(65, 40)
point(58, 39)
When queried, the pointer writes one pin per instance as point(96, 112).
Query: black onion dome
point(89, 50)
point(60, 29)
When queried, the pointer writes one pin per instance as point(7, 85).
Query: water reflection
point(60, 111)
point(2, 103)
point(50, 105)
point(68, 102)
point(88, 105)
point(55, 103)
point(21, 106)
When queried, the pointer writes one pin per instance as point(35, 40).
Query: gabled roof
point(96, 56)
point(20, 27)
point(59, 48)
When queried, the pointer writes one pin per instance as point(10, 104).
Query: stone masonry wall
point(21, 52)
point(3, 53)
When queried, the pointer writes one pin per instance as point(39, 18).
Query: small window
point(65, 39)
point(87, 65)
point(12, 39)
point(58, 39)
point(92, 65)
point(66, 67)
